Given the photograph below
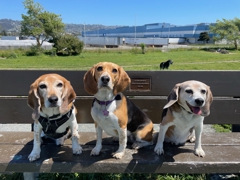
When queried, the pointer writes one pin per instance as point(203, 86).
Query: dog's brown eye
point(189, 91)
point(203, 91)
point(59, 85)
point(99, 68)
point(114, 71)
point(42, 86)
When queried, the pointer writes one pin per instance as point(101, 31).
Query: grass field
point(184, 59)
point(132, 59)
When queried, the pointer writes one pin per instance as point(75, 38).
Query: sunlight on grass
point(183, 60)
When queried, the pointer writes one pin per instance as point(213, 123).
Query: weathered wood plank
point(223, 111)
point(222, 83)
point(219, 159)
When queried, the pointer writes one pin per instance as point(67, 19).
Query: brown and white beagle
point(51, 97)
point(112, 111)
point(188, 103)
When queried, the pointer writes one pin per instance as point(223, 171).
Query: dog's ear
point(209, 99)
point(34, 100)
point(68, 97)
point(122, 82)
point(173, 96)
point(90, 83)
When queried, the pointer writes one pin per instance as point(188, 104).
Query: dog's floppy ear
point(90, 83)
point(173, 96)
point(68, 97)
point(34, 100)
point(122, 82)
point(209, 100)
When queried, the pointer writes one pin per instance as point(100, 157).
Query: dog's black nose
point(105, 79)
point(53, 99)
point(199, 101)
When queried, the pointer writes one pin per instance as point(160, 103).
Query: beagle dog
point(188, 103)
point(113, 112)
point(51, 98)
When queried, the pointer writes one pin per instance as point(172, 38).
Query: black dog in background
point(165, 65)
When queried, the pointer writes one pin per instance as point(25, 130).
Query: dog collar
point(106, 103)
point(49, 126)
point(117, 97)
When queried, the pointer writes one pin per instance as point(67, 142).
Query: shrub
point(142, 45)
point(34, 51)
point(12, 55)
point(51, 52)
point(4, 54)
point(68, 45)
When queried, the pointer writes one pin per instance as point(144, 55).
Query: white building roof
point(22, 43)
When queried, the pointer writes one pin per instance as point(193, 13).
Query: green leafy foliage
point(142, 45)
point(204, 37)
point(34, 51)
point(40, 24)
point(227, 29)
point(68, 45)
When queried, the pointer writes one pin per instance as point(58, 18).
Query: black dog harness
point(49, 126)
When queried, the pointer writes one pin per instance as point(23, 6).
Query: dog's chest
point(107, 121)
point(183, 122)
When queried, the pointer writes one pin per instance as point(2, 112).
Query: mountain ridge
point(10, 25)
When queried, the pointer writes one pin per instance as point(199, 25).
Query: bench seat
point(222, 156)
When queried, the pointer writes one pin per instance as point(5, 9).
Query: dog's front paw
point(199, 152)
point(158, 150)
point(77, 149)
point(118, 155)
point(33, 156)
point(95, 151)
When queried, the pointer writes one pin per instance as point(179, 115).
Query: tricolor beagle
point(188, 103)
point(112, 111)
point(51, 97)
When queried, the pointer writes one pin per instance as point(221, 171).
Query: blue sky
point(130, 12)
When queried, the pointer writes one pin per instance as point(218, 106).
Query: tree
point(204, 37)
point(227, 29)
point(40, 24)
point(68, 44)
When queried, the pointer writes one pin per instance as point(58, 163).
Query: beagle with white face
point(112, 111)
point(51, 97)
point(188, 103)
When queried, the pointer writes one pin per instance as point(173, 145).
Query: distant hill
point(10, 25)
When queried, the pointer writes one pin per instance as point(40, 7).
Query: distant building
point(24, 44)
point(9, 38)
point(178, 34)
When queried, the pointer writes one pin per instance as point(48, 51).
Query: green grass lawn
point(188, 59)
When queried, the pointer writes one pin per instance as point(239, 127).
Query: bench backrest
point(148, 90)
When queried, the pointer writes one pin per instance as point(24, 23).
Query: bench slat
point(219, 159)
point(222, 83)
point(223, 111)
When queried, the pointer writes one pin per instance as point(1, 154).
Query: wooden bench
point(148, 90)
